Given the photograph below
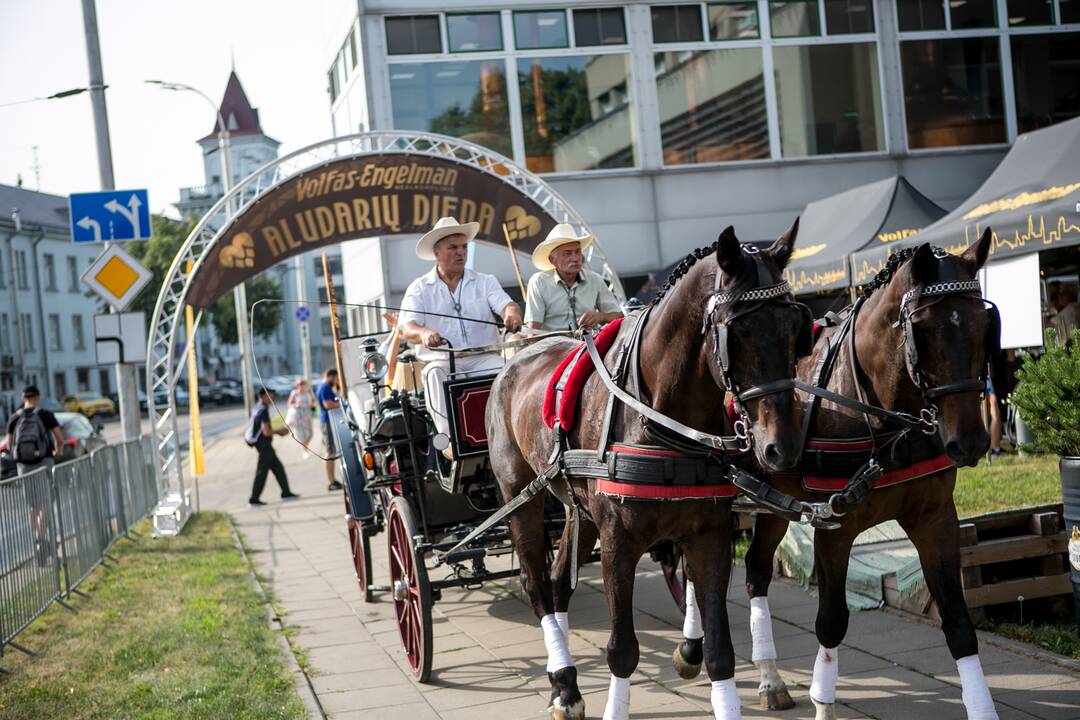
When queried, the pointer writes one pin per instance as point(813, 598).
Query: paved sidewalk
point(489, 652)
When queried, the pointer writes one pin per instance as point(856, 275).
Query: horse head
point(757, 333)
point(948, 336)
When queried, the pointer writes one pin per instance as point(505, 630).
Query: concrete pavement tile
point(413, 711)
point(483, 691)
point(343, 636)
point(939, 662)
point(1058, 702)
point(347, 658)
point(298, 615)
point(369, 698)
point(531, 706)
point(359, 680)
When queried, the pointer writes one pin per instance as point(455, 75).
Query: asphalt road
point(215, 421)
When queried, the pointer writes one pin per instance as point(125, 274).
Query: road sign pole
point(126, 392)
point(305, 336)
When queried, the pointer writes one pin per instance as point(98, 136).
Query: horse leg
point(936, 536)
point(768, 532)
point(831, 551)
point(690, 653)
point(708, 557)
point(560, 572)
point(619, 555)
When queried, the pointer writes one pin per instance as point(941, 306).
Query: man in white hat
point(565, 295)
point(461, 297)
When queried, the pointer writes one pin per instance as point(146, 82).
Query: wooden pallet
point(1003, 557)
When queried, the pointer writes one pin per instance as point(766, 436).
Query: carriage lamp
point(441, 441)
point(374, 366)
point(369, 460)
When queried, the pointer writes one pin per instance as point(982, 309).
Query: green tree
point(222, 313)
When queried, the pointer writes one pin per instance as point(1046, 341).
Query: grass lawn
point(1009, 482)
point(174, 630)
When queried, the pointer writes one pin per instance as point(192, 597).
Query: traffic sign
point(302, 313)
point(116, 277)
point(109, 216)
point(120, 338)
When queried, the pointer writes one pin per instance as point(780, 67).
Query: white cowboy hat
point(446, 226)
point(561, 234)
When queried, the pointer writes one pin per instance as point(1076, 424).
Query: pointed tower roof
point(240, 117)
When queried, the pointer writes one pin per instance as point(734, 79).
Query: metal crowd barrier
point(57, 525)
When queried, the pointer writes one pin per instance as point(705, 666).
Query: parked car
point(280, 385)
point(81, 437)
point(229, 391)
point(89, 404)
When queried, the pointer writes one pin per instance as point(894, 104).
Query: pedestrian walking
point(298, 417)
point(328, 400)
point(35, 441)
point(260, 436)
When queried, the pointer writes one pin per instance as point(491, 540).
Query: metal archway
point(165, 354)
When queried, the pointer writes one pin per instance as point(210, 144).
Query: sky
point(281, 51)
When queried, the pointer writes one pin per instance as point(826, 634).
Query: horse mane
point(680, 270)
point(885, 274)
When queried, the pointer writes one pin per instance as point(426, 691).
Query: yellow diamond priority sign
point(117, 277)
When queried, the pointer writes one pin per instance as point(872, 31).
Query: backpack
point(31, 438)
point(254, 430)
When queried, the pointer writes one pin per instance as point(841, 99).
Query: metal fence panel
point(82, 532)
point(29, 563)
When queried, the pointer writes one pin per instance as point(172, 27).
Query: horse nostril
point(953, 450)
point(772, 454)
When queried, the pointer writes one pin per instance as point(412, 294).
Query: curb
point(301, 680)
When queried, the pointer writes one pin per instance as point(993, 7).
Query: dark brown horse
point(921, 342)
point(683, 375)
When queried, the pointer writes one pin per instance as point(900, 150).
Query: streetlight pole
point(243, 332)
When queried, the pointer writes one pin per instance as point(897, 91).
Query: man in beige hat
point(460, 296)
point(565, 295)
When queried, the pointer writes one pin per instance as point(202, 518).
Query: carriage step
point(464, 555)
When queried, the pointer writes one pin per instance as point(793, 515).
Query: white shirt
point(479, 296)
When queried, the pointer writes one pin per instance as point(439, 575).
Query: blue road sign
point(110, 216)
point(302, 313)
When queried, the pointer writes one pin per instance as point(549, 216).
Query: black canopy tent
point(1030, 202)
point(869, 216)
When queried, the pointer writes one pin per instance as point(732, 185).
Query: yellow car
point(89, 404)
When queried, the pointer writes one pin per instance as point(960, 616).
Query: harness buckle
point(928, 417)
point(742, 435)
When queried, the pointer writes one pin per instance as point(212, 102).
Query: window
point(55, 340)
point(82, 379)
point(576, 112)
point(914, 15)
point(1030, 12)
point(676, 23)
point(22, 275)
point(331, 86)
point(1070, 11)
point(26, 331)
point(49, 261)
point(416, 34)
point(952, 92)
point(849, 16)
point(103, 381)
point(602, 26)
point(73, 273)
point(3, 275)
point(77, 332)
point(1046, 79)
point(799, 18)
point(712, 106)
point(465, 100)
point(733, 21)
point(828, 99)
point(973, 14)
point(537, 29)
point(60, 384)
point(352, 49)
point(470, 33)
point(5, 333)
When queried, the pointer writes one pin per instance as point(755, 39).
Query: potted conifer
point(1048, 397)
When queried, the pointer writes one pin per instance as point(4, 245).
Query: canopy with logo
point(876, 215)
point(1031, 202)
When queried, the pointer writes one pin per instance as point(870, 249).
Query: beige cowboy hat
point(446, 226)
point(561, 234)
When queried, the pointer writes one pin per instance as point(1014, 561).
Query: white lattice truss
point(165, 354)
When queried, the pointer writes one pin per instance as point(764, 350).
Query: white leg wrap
point(725, 700)
point(557, 649)
point(973, 689)
point(826, 669)
point(691, 628)
point(618, 699)
point(564, 623)
point(761, 630)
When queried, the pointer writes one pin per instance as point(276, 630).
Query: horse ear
point(975, 256)
point(728, 251)
point(924, 264)
point(780, 251)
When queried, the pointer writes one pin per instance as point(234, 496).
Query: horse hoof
point(825, 711)
point(775, 699)
point(686, 670)
point(575, 711)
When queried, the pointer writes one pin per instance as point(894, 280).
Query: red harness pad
point(642, 491)
point(567, 410)
point(892, 477)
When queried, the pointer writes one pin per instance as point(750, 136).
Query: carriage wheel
point(410, 588)
point(360, 546)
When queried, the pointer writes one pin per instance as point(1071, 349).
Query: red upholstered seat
point(566, 413)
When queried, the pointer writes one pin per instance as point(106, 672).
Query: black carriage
point(424, 491)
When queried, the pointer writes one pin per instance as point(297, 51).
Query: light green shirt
point(550, 302)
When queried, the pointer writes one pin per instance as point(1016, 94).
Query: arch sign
point(367, 196)
point(367, 185)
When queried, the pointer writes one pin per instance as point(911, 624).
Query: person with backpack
point(260, 435)
point(33, 434)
